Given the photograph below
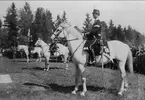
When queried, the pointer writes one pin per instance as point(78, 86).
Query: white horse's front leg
point(83, 77)
point(28, 59)
point(77, 77)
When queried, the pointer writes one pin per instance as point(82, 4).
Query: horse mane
point(72, 29)
point(44, 42)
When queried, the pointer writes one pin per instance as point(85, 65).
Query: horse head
point(39, 42)
point(66, 30)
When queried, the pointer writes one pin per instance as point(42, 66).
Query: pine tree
point(120, 33)
point(49, 26)
point(38, 23)
point(10, 22)
point(25, 19)
point(0, 24)
point(43, 25)
point(111, 30)
point(87, 23)
point(24, 23)
point(104, 30)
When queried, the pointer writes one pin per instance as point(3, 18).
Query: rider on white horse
point(120, 50)
point(94, 38)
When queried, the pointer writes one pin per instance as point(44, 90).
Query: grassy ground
point(30, 82)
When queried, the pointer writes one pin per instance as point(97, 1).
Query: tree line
point(21, 26)
point(112, 32)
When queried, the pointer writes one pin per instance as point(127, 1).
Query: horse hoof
point(120, 93)
point(126, 86)
point(74, 92)
point(66, 68)
point(82, 94)
point(125, 89)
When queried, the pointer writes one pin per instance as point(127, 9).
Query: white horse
point(46, 52)
point(25, 49)
point(39, 51)
point(119, 51)
point(62, 51)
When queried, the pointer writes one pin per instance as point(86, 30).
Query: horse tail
point(130, 61)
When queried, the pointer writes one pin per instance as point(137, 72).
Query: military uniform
point(94, 38)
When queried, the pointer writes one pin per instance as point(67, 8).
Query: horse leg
point(37, 60)
point(39, 57)
point(123, 76)
point(77, 77)
point(27, 55)
point(46, 64)
point(28, 58)
point(66, 62)
point(83, 78)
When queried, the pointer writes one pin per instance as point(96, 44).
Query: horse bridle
point(57, 35)
point(63, 28)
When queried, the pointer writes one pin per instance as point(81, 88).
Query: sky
point(121, 12)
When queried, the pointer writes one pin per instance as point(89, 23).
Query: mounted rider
point(94, 39)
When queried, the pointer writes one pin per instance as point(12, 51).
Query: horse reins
point(70, 40)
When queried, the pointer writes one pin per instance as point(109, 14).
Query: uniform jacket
point(95, 31)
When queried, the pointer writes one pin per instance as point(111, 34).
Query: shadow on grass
point(39, 68)
point(35, 84)
point(18, 60)
point(69, 89)
point(59, 88)
point(33, 68)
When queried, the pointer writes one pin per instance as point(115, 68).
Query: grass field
point(30, 82)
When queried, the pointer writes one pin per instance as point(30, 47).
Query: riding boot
point(93, 56)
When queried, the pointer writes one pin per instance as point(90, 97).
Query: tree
point(10, 23)
point(111, 30)
point(120, 33)
point(87, 23)
point(0, 23)
point(49, 26)
point(25, 19)
point(4, 38)
point(104, 30)
point(38, 23)
point(43, 25)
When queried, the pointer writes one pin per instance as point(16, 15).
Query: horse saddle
point(98, 50)
point(53, 48)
